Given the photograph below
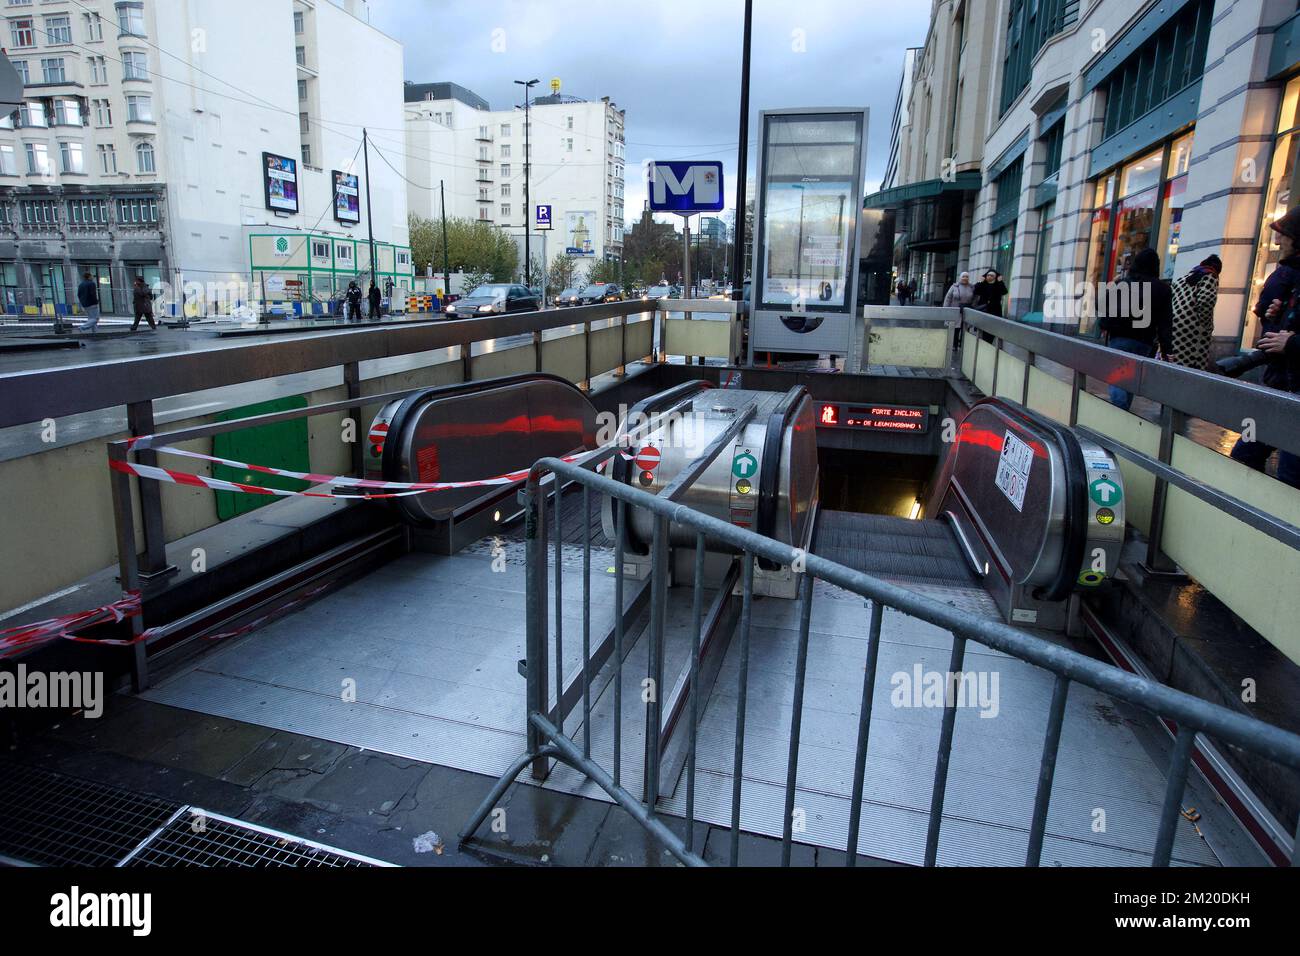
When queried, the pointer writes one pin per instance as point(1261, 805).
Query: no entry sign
point(647, 459)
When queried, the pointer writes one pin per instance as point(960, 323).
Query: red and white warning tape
point(372, 488)
point(21, 638)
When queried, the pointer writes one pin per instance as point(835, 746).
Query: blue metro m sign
point(685, 187)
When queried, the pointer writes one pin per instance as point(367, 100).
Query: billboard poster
point(578, 229)
point(807, 242)
point(280, 176)
point(347, 197)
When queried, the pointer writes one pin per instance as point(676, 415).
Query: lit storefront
point(1279, 196)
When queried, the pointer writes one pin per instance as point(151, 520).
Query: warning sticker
point(426, 463)
point(1012, 477)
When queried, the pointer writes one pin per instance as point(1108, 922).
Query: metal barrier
point(547, 739)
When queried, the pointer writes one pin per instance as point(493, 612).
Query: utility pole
point(528, 160)
point(742, 159)
point(370, 219)
point(446, 260)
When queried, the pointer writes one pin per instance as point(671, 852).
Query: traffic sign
point(744, 465)
point(647, 459)
point(1105, 491)
point(544, 217)
point(685, 187)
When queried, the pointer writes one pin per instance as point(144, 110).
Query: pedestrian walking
point(904, 291)
point(960, 294)
point(354, 302)
point(1278, 309)
point(1144, 319)
point(142, 300)
point(987, 297)
point(1194, 296)
point(376, 300)
point(88, 299)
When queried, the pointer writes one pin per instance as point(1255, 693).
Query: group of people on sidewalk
point(352, 301)
point(88, 299)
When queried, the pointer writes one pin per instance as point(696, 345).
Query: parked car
point(600, 292)
point(495, 298)
point(569, 296)
point(661, 292)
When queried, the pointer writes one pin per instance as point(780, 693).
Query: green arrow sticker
point(744, 465)
point(1105, 491)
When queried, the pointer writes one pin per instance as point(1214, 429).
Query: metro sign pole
point(685, 188)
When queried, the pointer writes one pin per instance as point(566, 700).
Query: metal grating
point(54, 820)
point(201, 839)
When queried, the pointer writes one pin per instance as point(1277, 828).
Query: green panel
point(1139, 484)
point(1049, 395)
point(988, 355)
point(908, 346)
point(280, 445)
point(1011, 377)
point(1285, 55)
point(967, 181)
point(1157, 125)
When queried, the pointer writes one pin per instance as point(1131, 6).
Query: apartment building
point(454, 138)
point(1115, 126)
point(142, 145)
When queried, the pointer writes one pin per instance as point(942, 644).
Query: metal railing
point(547, 739)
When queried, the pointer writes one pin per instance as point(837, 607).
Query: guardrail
point(547, 739)
point(1191, 502)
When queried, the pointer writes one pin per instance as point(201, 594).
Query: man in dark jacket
point(376, 299)
point(142, 300)
point(1278, 309)
point(1140, 317)
point(88, 299)
point(354, 302)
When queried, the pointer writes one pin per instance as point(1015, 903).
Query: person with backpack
point(1278, 310)
point(1194, 296)
point(88, 299)
point(1142, 319)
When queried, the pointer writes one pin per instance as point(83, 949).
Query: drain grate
point(199, 838)
point(51, 819)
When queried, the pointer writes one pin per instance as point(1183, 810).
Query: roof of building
point(418, 92)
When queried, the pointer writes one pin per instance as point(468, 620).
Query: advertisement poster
point(578, 229)
point(806, 249)
point(281, 179)
point(347, 197)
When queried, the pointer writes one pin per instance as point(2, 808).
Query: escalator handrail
point(1074, 547)
point(390, 460)
point(769, 470)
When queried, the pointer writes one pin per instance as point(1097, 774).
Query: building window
point(482, 194)
point(139, 109)
point(94, 26)
point(1281, 196)
point(569, 123)
point(304, 125)
point(144, 158)
point(1165, 64)
point(67, 112)
point(71, 158)
point(320, 249)
point(299, 22)
point(22, 32)
point(403, 258)
point(568, 144)
point(58, 30)
point(88, 212)
point(38, 159)
point(343, 253)
point(130, 19)
point(302, 90)
point(300, 55)
point(98, 70)
point(505, 210)
point(31, 114)
point(21, 67)
point(1053, 142)
point(505, 190)
point(306, 154)
point(103, 113)
point(1008, 188)
point(1030, 24)
point(505, 170)
point(135, 66)
point(52, 69)
point(505, 129)
point(505, 151)
point(39, 212)
point(8, 164)
point(133, 212)
point(107, 158)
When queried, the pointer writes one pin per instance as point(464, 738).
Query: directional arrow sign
point(1105, 491)
point(744, 465)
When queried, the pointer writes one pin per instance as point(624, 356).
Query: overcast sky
point(674, 65)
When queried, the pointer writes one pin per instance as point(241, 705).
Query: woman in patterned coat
point(1194, 296)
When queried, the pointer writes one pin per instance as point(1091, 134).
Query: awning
point(968, 181)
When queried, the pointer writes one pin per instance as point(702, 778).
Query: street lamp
point(528, 158)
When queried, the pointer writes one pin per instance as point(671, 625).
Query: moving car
point(568, 297)
point(661, 292)
point(494, 299)
point(600, 292)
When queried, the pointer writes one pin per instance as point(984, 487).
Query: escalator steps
point(899, 549)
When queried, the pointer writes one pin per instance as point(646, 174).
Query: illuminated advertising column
point(807, 211)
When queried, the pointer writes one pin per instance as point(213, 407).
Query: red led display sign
point(877, 418)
